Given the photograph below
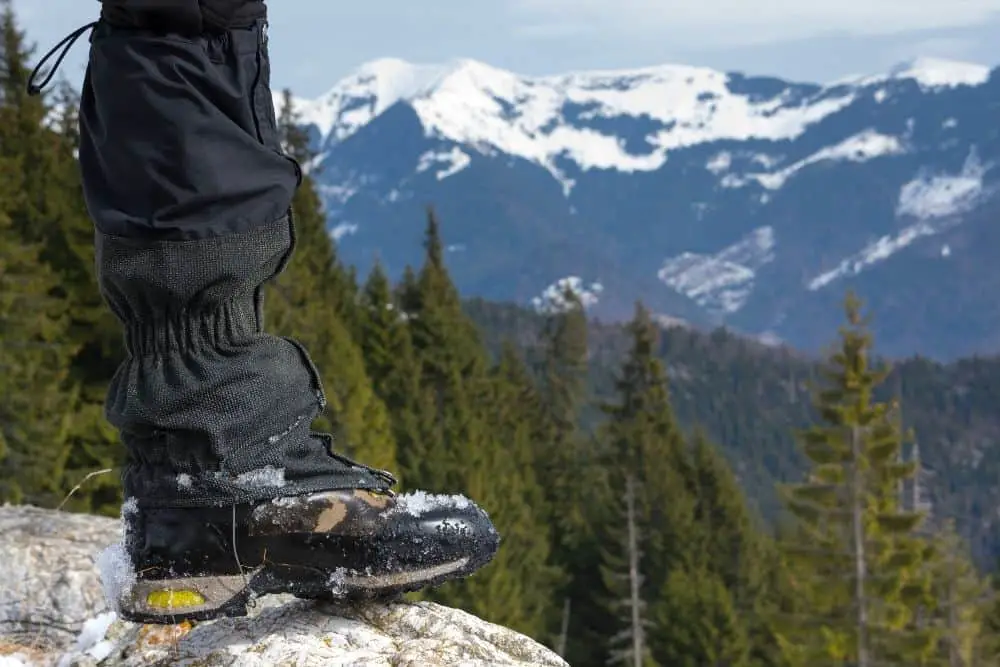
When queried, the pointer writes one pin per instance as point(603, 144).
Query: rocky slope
point(54, 615)
point(716, 197)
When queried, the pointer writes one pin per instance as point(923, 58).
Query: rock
point(302, 633)
point(280, 630)
point(49, 584)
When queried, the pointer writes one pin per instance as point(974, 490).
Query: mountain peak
point(565, 123)
point(928, 72)
point(934, 72)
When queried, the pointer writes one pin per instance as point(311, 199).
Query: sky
point(314, 43)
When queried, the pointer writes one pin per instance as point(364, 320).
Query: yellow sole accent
point(171, 599)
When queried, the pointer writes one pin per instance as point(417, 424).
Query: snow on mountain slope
point(861, 147)
point(928, 73)
point(676, 182)
point(721, 283)
point(935, 200)
point(363, 95)
point(548, 120)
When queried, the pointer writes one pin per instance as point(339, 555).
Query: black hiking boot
point(200, 564)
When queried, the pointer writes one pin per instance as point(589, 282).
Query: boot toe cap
point(448, 533)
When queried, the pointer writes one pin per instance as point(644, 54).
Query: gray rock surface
point(49, 584)
point(49, 577)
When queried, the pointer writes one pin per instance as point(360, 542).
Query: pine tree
point(738, 555)
point(43, 206)
point(857, 562)
point(340, 280)
point(622, 575)
point(960, 595)
point(642, 440)
point(35, 403)
point(516, 589)
point(698, 623)
point(452, 366)
point(302, 303)
point(563, 454)
point(390, 361)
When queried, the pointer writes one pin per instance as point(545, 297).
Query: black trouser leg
point(190, 194)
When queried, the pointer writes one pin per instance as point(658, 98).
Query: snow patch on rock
point(874, 252)
point(558, 297)
point(860, 147)
point(721, 283)
point(932, 196)
point(936, 200)
point(452, 161)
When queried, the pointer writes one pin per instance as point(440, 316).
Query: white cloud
point(722, 23)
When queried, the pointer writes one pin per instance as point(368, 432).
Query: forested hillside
point(621, 464)
point(751, 397)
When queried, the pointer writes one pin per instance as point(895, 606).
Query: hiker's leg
point(189, 191)
point(234, 496)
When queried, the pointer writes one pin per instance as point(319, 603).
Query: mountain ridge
point(718, 198)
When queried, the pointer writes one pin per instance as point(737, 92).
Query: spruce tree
point(516, 589)
point(737, 550)
point(35, 402)
point(472, 437)
point(302, 304)
point(720, 617)
point(452, 367)
point(94, 442)
point(623, 579)
point(340, 280)
point(561, 454)
point(856, 560)
point(698, 622)
point(961, 599)
point(641, 440)
point(390, 361)
point(563, 458)
point(44, 207)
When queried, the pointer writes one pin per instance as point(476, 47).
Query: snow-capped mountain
point(715, 197)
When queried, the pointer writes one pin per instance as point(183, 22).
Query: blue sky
point(315, 42)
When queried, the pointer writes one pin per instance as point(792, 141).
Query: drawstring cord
point(66, 44)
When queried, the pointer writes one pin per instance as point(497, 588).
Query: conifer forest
point(666, 497)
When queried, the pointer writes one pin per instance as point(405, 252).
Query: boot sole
point(173, 601)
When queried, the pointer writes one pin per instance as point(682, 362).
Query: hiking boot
point(200, 564)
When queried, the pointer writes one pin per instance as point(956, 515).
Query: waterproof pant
point(190, 194)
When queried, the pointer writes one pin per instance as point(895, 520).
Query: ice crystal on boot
point(338, 581)
point(267, 476)
point(115, 566)
point(418, 503)
point(130, 507)
point(274, 439)
point(117, 574)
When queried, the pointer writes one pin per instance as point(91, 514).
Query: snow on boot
point(199, 564)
